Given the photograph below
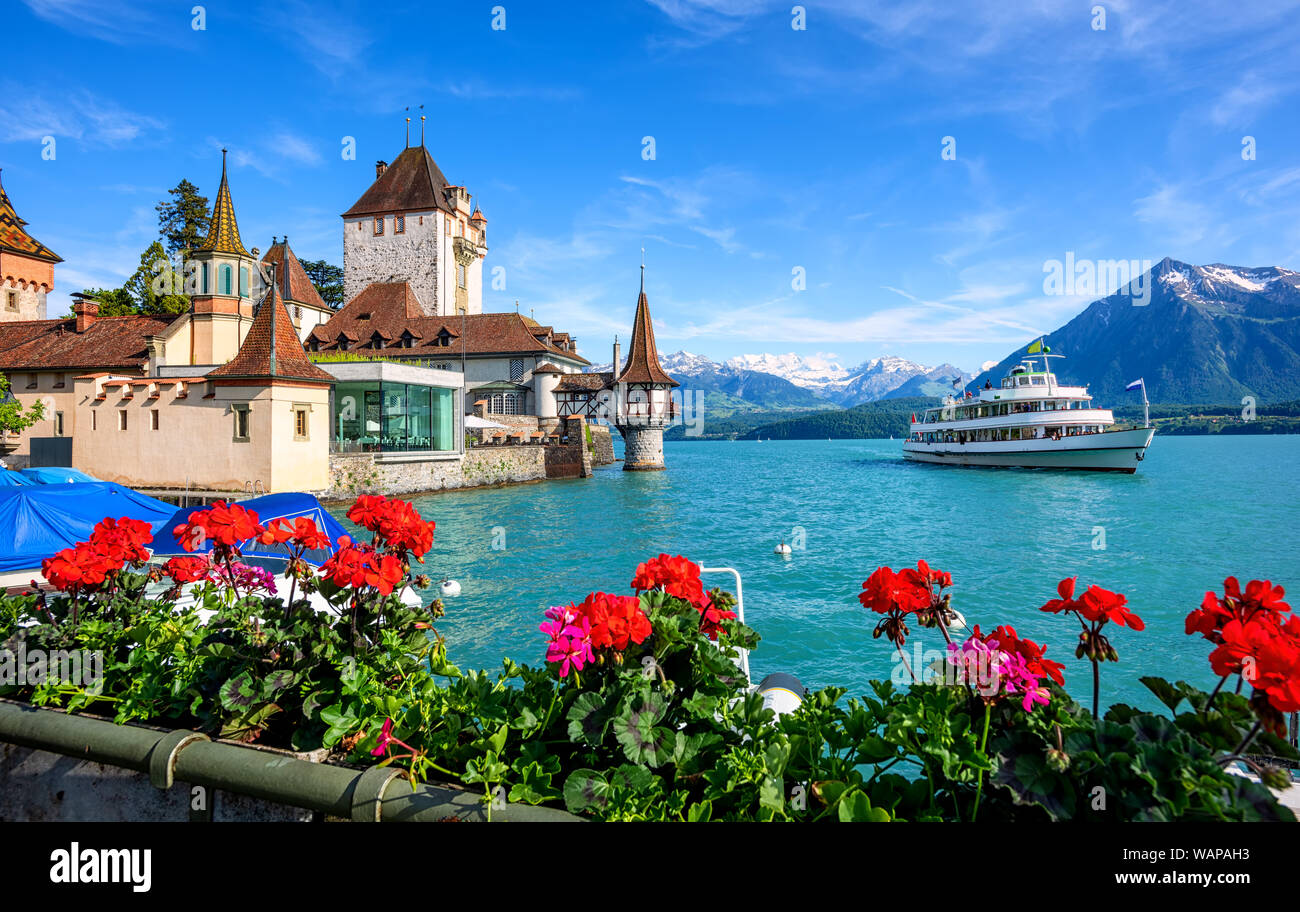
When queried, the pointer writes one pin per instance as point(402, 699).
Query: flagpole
point(1146, 406)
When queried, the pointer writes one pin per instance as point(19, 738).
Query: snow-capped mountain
point(1195, 334)
point(819, 378)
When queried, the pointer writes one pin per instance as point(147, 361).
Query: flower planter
point(55, 766)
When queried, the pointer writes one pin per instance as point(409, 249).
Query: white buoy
point(782, 548)
point(450, 588)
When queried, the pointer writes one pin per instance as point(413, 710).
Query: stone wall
point(414, 256)
point(37, 785)
point(369, 473)
point(643, 448)
point(603, 445)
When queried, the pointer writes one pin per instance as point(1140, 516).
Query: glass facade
point(381, 416)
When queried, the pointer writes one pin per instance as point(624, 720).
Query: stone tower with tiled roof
point(224, 279)
point(412, 225)
point(26, 267)
point(643, 395)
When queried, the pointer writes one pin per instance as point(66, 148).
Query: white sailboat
point(1030, 421)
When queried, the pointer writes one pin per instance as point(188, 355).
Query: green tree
point(13, 417)
point(328, 280)
point(113, 302)
point(151, 285)
point(183, 219)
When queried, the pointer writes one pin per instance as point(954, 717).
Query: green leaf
point(585, 789)
point(588, 719)
point(239, 692)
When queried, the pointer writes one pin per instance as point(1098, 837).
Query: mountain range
point(1197, 335)
point(1194, 334)
point(770, 382)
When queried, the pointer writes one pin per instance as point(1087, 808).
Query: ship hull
point(1113, 451)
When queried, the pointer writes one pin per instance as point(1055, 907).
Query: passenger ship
point(1030, 421)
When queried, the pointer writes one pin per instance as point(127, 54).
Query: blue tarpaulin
point(37, 521)
point(56, 475)
point(14, 480)
point(272, 506)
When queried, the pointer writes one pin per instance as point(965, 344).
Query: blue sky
point(776, 149)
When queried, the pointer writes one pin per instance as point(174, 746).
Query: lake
point(1198, 509)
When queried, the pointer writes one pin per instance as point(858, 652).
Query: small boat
point(1030, 421)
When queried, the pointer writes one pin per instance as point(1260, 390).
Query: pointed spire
point(223, 231)
point(642, 355)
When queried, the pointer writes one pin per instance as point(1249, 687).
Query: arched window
point(225, 278)
point(205, 278)
point(243, 281)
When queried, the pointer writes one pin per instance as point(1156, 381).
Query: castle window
point(376, 341)
point(407, 339)
point(58, 424)
point(205, 278)
point(31, 381)
point(343, 344)
point(94, 420)
point(444, 338)
point(379, 225)
point(300, 425)
point(59, 381)
point(226, 279)
point(460, 275)
point(516, 371)
point(153, 419)
point(243, 281)
point(241, 422)
point(313, 344)
point(11, 300)
point(399, 224)
point(121, 419)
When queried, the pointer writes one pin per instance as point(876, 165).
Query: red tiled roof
point(13, 239)
point(107, 343)
point(642, 355)
point(546, 367)
point(599, 380)
point(412, 182)
point(291, 277)
point(390, 308)
point(271, 349)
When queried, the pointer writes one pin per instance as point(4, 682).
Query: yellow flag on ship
point(1036, 347)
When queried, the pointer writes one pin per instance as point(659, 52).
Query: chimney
point(86, 309)
point(618, 356)
point(380, 168)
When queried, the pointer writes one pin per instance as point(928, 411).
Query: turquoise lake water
point(1198, 509)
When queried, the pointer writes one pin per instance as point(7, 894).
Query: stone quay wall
point(371, 473)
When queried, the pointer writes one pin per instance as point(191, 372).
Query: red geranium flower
point(77, 569)
point(187, 569)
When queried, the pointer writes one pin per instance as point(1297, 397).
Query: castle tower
point(413, 226)
point(643, 395)
point(223, 278)
point(279, 402)
point(26, 267)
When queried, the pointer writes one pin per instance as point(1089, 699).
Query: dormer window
point(376, 341)
point(399, 224)
point(379, 225)
point(444, 338)
point(407, 339)
point(313, 344)
point(363, 316)
point(343, 343)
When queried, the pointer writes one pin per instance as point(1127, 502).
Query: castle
point(259, 384)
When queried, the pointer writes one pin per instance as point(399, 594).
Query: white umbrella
point(474, 421)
